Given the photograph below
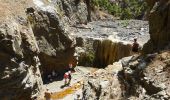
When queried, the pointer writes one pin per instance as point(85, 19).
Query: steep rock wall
point(56, 47)
point(50, 22)
point(76, 11)
point(159, 26)
point(20, 77)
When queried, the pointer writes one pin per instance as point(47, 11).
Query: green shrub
point(125, 9)
point(87, 59)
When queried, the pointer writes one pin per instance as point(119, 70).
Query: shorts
point(66, 76)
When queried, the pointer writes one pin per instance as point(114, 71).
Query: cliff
point(159, 26)
point(20, 76)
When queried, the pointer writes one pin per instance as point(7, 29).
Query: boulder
point(102, 85)
point(56, 47)
point(147, 78)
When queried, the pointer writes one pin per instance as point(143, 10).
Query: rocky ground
point(137, 78)
point(56, 87)
point(123, 30)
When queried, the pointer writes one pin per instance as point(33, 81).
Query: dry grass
point(12, 8)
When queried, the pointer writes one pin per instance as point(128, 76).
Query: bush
point(126, 9)
point(87, 59)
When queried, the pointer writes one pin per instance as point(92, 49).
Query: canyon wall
point(20, 76)
point(51, 21)
point(159, 26)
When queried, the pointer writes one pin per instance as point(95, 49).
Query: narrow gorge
point(39, 39)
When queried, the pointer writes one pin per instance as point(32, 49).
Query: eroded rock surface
point(134, 77)
point(20, 77)
point(159, 26)
point(56, 47)
point(103, 84)
point(50, 22)
point(148, 77)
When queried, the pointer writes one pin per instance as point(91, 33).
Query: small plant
point(90, 58)
point(31, 20)
point(87, 59)
point(59, 11)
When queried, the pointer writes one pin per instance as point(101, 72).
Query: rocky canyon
point(40, 38)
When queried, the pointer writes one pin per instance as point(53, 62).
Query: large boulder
point(146, 77)
point(103, 84)
point(56, 47)
point(76, 11)
point(50, 22)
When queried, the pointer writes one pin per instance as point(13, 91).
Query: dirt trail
point(75, 88)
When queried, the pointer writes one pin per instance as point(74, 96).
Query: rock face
point(132, 78)
point(147, 78)
point(20, 77)
point(103, 84)
point(108, 51)
point(56, 47)
point(76, 11)
point(159, 26)
point(50, 23)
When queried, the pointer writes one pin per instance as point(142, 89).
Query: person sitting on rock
point(135, 46)
point(67, 76)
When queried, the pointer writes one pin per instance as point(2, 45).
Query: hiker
point(67, 76)
point(135, 46)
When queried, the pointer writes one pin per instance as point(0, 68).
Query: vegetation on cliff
point(126, 9)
